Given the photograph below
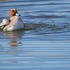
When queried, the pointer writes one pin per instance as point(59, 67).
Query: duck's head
point(13, 12)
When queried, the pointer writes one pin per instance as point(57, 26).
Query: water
point(44, 44)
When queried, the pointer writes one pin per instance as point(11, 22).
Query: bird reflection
point(15, 40)
point(15, 37)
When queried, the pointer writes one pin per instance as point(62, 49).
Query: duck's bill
point(17, 14)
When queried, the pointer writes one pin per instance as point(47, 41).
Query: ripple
point(48, 16)
point(45, 42)
point(54, 12)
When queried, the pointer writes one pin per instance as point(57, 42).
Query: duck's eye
point(12, 10)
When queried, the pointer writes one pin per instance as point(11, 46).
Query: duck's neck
point(11, 17)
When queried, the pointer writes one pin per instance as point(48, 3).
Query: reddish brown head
point(12, 12)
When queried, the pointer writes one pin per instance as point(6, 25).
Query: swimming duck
point(14, 23)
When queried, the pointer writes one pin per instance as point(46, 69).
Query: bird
point(14, 23)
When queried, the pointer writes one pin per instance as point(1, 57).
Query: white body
point(4, 22)
point(15, 24)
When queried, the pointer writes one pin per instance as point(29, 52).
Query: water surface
point(44, 44)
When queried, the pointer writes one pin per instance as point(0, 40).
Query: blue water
point(45, 42)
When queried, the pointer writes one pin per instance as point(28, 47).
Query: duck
point(15, 22)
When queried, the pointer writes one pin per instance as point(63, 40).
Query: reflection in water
point(15, 40)
point(15, 37)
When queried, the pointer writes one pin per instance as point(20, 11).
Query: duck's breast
point(19, 24)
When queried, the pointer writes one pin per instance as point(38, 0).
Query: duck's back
point(16, 23)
